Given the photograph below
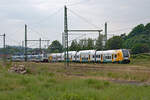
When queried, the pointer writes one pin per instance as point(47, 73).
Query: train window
point(93, 56)
point(115, 56)
point(99, 56)
point(125, 53)
point(109, 57)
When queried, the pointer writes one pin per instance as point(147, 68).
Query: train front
point(126, 56)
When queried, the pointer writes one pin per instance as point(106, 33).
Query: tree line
point(137, 41)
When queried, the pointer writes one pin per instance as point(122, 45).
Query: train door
point(112, 57)
point(80, 58)
point(101, 57)
point(50, 58)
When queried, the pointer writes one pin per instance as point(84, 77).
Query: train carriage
point(72, 56)
point(52, 57)
point(86, 56)
point(99, 56)
point(59, 57)
point(108, 56)
point(113, 56)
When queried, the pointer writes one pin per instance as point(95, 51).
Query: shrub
point(140, 48)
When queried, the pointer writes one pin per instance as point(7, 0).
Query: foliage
point(12, 50)
point(138, 40)
point(90, 44)
point(83, 44)
point(139, 35)
point(137, 30)
point(140, 48)
point(114, 43)
point(141, 56)
point(74, 46)
point(55, 47)
point(99, 42)
point(87, 44)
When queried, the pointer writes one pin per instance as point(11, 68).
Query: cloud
point(37, 14)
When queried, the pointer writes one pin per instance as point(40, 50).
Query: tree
point(74, 46)
point(83, 44)
point(147, 29)
point(140, 48)
point(114, 43)
point(139, 35)
point(137, 30)
point(99, 42)
point(55, 47)
point(90, 44)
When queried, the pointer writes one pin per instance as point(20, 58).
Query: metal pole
point(4, 56)
point(40, 44)
point(4, 40)
point(105, 32)
point(66, 35)
point(26, 42)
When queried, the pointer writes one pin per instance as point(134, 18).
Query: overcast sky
point(45, 17)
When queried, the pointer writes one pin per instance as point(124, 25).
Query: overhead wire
point(32, 45)
point(77, 38)
point(84, 19)
point(37, 33)
point(52, 14)
point(40, 34)
point(13, 40)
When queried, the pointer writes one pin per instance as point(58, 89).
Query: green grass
point(42, 83)
point(141, 60)
point(54, 82)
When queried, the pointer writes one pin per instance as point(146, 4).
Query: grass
point(57, 87)
point(53, 82)
point(141, 60)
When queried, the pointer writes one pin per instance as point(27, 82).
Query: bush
point(140, 48)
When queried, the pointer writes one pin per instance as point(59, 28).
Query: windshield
point(125, 53)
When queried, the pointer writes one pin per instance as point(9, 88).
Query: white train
point(31, 58)
point(113, 56)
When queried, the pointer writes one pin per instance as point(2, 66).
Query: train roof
point(87, 51)
point(109, 51)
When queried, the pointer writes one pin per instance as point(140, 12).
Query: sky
point(45, 18)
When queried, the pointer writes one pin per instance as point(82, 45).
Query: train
point(30, 58)
point(83, 56)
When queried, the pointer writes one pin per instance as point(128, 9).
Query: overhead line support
point(85, 30)
point(25, 43)
point(66, 37)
